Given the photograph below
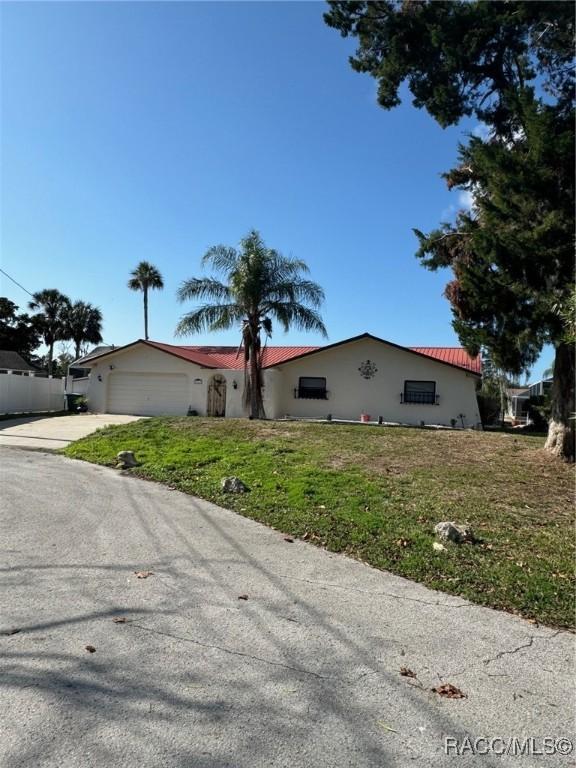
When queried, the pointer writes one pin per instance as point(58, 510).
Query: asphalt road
point(305, 672)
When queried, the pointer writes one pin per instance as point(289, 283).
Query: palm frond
point(286, 267)
point(221, 258)
point(50, 300)
point(203, 288)
point(293, 314)
point(83, 323)
point(210, 317)
point(267, 326)
point(260, 284)
point(145, 275)
point(297, 290)
point(134, 284)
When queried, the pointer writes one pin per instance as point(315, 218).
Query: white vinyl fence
point(77, 386)
point(23, 394)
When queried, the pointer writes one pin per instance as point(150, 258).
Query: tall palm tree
point(145, 277)
point(259, 285)
point(50, 320)
point(83, 325)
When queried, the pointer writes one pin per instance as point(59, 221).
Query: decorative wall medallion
point(367, 369)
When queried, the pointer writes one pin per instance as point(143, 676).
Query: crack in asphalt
point(529, 644)
point(343, 680)
point(376, 594)
point(221, 648)
point(500, 654)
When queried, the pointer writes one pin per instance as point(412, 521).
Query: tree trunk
point(253, 385)
point(256, 404)
point(560, 440)
point(146, 313)
point(77, 352)
point(50, 357)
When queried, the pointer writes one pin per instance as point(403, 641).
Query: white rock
point(233, 485)
point(449, 531)
point(126, 459)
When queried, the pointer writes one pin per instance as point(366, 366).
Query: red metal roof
point(453, 355)
point(232, 357)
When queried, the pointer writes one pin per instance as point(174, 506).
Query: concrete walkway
point(54, 432)
point(304, 673)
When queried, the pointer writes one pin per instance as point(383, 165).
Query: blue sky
point(153, 130)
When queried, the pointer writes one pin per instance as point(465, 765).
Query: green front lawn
point(376, 493)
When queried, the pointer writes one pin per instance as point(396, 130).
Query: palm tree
point(83, 325)
point(260, 285)
point(50, 321)
point(143, 278)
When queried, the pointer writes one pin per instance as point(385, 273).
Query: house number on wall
point(368, 370)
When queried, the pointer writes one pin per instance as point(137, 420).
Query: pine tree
point(511, 66)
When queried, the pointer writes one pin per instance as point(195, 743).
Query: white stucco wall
point(144, 359)
point(350, 394)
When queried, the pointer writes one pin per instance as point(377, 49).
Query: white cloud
point(448, 213)
point(482, 131)
point(463, 202)
point(466, 199)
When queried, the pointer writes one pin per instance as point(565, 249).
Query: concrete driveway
point(56, 431)
point(303, 673)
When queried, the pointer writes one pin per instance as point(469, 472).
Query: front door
point(217, 396)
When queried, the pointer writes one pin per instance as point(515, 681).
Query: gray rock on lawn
point(459, 534)
point(233, 485)
point(126, 460)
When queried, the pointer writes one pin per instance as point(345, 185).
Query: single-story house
point(13, 362)
point(361, 378)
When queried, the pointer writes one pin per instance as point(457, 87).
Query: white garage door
point(148, 394)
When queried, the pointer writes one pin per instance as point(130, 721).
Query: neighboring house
point(15, 363)
point(540, 388)
point(77, 379)
point(78, 370)
point(518, 398)
point(517, 405)
point(363, 375)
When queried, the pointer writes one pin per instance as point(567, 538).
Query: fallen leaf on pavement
point(90, 649)
point(119, 619)
point(407, 672)
point(449, 691)
point(143, 574)
point(289, 539)
point(386, 727)
point(242, 597)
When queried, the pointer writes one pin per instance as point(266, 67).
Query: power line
point(31, 294)
point(17, 283)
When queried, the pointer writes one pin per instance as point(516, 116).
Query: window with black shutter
point(420, 392)
point(312, 388)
